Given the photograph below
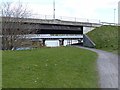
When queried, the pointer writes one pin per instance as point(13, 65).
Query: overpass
point(45, 26)
point(61, 39)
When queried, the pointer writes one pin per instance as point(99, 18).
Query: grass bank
point(63, 67)
point(0, 69)
point(105, 38)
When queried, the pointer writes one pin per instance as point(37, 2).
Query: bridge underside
point(42, 28)
point(58, 32)
point(59, 29)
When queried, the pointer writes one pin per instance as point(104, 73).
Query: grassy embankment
point(105, 38)
point(64, 67)
point(0, 69)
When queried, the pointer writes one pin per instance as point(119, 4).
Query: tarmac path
point(107, 64)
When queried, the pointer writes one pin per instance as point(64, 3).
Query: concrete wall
point(87, 42)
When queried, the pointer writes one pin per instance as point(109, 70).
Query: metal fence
point(74, 19)
point(65, 18)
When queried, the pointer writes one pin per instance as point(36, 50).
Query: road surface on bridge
point(107, 65)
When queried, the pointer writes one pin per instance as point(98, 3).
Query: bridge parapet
point(57, 21)
point(51, 21)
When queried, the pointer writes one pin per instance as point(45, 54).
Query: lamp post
point(114, 15)
point(119, 12)
point(54, 9)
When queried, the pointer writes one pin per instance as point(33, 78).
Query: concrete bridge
point(46, 26)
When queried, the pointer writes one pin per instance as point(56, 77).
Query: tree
point(12, 28)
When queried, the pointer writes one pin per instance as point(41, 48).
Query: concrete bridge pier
point(61, 42)
point(71, 42)
point(79, 40)
point(43, 42)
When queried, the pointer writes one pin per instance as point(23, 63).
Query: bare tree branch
point(12, 24)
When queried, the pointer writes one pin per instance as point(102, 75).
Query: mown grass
point(105, 38)
point(63, 67)
point(0, 69)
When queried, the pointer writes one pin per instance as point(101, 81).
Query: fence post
point(45, 16)
point(75, 19)
point(87, 20)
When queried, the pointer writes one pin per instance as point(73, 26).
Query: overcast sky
point(102, 10)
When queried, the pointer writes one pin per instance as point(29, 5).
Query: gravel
point(107, 64)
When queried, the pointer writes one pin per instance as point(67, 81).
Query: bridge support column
point(68, 42)
point(71, 41)
point(61, 42)
point(43, 42)
point(79, 40)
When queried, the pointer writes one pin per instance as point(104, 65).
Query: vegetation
point(13, 30)
point(61, 67)
point(0, 69)
point(105, 38)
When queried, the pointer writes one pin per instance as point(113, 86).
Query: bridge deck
point(51, 21)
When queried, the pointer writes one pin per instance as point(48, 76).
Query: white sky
point(102, 10)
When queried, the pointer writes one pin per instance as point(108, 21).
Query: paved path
point(108, 68)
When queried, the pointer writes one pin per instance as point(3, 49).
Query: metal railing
point(74, 19)
point(65, 18)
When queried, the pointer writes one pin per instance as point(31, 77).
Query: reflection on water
point(55, 43)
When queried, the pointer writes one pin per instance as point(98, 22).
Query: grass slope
point(0, 69)
point(63, 67)
point(105, 37)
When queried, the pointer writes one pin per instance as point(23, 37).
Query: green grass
point(63, 67)
point(0, 69)
point(105, 38)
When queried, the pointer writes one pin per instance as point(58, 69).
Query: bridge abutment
point(43, 42)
